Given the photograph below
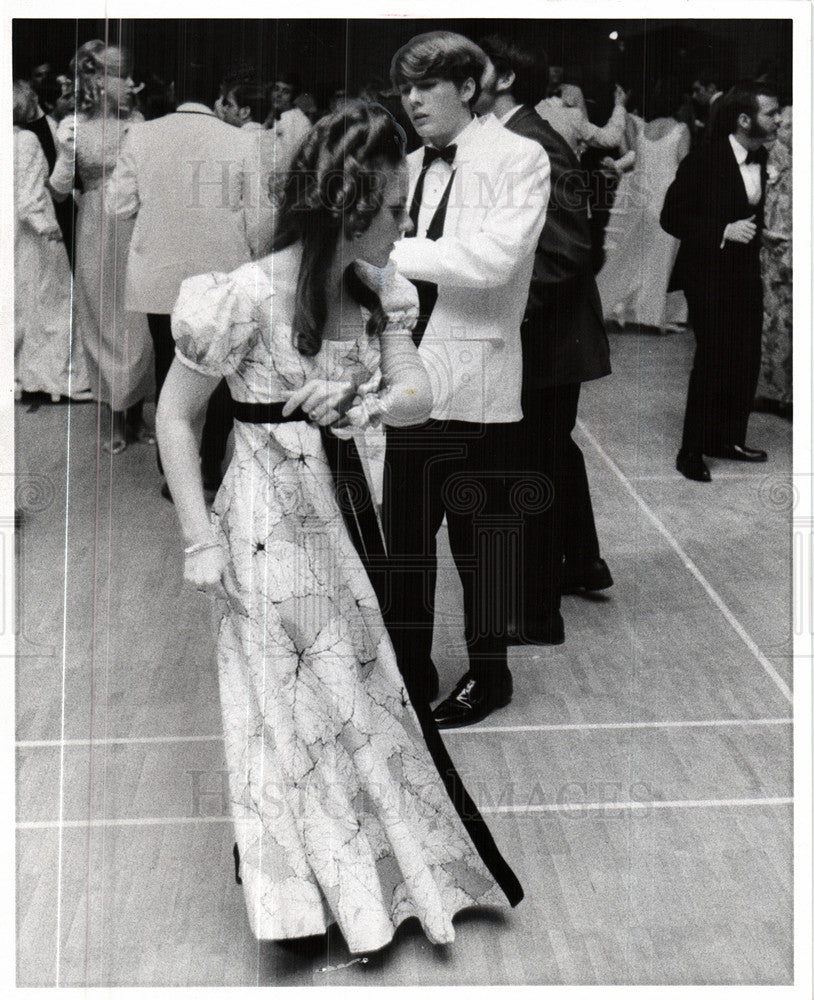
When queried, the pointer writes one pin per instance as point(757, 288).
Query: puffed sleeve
point(214, 321)
point(403, 396)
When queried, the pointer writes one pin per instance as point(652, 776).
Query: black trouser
point(456, 469)
point(726, 365)
point(219, 415)
point(566, 527)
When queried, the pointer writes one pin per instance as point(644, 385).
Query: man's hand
point(742, 231)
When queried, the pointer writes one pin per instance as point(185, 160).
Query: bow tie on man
point(447, 154)
point(755, 155)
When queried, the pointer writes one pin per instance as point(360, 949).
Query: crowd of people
point(298, 279)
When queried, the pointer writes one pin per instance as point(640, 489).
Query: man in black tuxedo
point(715, 207)
point(564, 344)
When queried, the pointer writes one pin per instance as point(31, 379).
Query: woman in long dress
point(342, 814)
point(774, 389)
point(45, 358)
point(117, 342)
point(639, 255)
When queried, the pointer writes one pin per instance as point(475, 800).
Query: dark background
point(326, 54)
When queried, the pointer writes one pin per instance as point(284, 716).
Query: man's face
point(228, 111)
point(39, 75)
point(488, 89)
point(765, 121)
point(436, 108)
point(282, 96)
point(703, 94)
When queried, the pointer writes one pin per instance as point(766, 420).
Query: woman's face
point(115, 80)
point(391, 222)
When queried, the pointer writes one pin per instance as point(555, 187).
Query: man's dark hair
point(439, 55)
point(195, 82)
point(665, 100)
point(708, 77)
point(740, 100)
point(254, 96)
point(530, 67)
point(287, 75)
point(241, 72)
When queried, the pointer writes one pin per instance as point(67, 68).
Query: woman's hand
point(66, 136)
point(323, 401)
point(210, 572)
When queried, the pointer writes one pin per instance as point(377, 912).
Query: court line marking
point(639, 806)
point(713, 595)
point(719, 477)
point(536, 808)
point(464, 730)
point(586, 726)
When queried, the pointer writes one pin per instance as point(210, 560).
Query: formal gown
point(46, 358)
point(117, 342)
point(339, 811)
point(639, 255)
point(775, 382)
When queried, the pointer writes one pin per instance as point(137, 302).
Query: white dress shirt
point(750, 172)
point(436, 180)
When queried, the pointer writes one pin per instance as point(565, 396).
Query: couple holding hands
point(347, 808)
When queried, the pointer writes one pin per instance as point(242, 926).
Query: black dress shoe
point(691, 464)
point(471, 701)
point(739, 453)
point(594, 575)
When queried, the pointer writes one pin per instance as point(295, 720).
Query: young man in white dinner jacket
point(478, 197)
point(185, 177)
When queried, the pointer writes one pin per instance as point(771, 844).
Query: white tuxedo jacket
point(482, 265)
point(184, 177)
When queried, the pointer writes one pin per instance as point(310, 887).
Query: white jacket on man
point(482, 266)
point(185, 178)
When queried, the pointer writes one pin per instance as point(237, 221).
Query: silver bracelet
point(200, 546)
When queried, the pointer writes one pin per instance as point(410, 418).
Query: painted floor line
point(638, 806)
point(713, 595)
point(467, 730)
point(117, 741)
point(586, 726)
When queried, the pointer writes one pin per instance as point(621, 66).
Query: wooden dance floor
point(639, 783)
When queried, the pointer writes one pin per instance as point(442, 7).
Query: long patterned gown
point(775, 381)
point(339, 811)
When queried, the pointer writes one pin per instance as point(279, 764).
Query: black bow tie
point(447, 154)
point(753, 156)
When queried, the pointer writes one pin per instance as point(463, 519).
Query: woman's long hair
point(87, 67)
point(335, 188)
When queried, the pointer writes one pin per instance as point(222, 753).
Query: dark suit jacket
point(42, 131)
point(564, 338)
point(707, 194)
